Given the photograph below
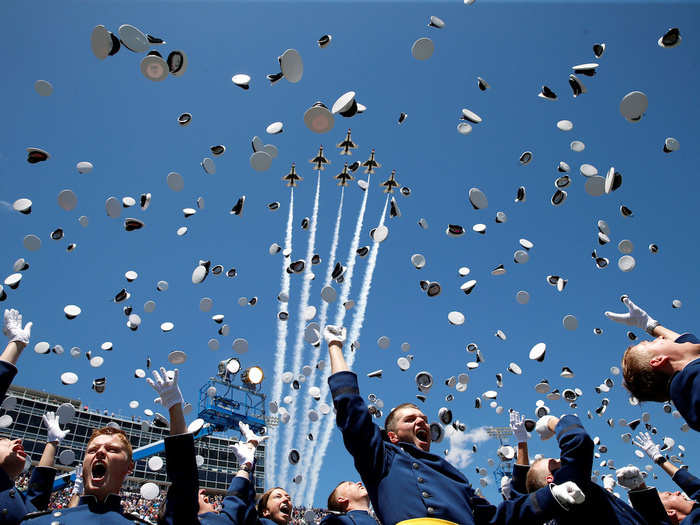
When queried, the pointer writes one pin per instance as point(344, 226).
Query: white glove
point(542, 427)
point(245, 453)
point(12, 327)
point(167, 388)
point(333, 334)
point(78, 485)
point(629, 477)
point(608, 482)
point(249, 435)
point(505, 487)
point(644, 441)
point(55, 434)
point(634, 317)
point(517, 425)
point(567, 494)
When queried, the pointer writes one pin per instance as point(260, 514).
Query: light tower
point(505, 454)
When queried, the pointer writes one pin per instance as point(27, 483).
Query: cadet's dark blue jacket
point(576, 464)
point(353, 517)
point(13, 503)
point(685, 388)
point(405, 482)
point(237, 508)
point(648, 504)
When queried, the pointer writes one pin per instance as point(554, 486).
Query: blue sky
point(107, 113)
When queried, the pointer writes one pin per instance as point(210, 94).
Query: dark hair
point(390, 421)
point(262, 503)
point(644, 382)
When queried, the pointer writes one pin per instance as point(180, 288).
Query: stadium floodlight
point(253, 375)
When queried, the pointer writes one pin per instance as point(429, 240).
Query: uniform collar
point(5, 481)
point(112, 502)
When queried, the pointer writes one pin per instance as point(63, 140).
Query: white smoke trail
point(280, 351)
point(344, 294)
point(316, 352)
point(353, 335)
point(299, 342)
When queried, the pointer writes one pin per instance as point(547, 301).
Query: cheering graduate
point(666, 368)
point(108, 460)
point(575, 464)
point(238, 507)
point(14, 504)
point(403, 479)
point(662, 507)
point(349, 503)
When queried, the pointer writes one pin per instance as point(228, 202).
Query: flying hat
point(133, 39)
point(537, 352)
point(318, 119)
point(35, 155)
point(291, 65)
point(598, 50)
point(154, 67)
point(103, 43)
point(670, 38)
point(241, 80)
point(422, 49)
point(478, 199)
point(547, 93)
point(634, 105)
point(43, 88)
point(481, 83)
point(324, 41)
point(177, 63)
point(577, 86)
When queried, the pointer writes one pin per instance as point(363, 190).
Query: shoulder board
point(135, 518)
point(36, 514)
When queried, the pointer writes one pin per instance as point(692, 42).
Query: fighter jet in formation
point(370, 164)
point(319, 161)
point(292, 178)
point(390, 183)
point(347, 144)
point(344, 177)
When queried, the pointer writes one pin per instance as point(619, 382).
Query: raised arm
point(361, 436)
point(182, 501)
point(645, 500)
point(638, 318)
point(575, 445)
point(19, 338)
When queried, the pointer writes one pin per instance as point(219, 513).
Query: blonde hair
point(533, 481)
point(644, 382)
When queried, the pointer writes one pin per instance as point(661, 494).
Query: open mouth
point(423, 435)
point(19, 450)
point(98, 471)
point(285, 508)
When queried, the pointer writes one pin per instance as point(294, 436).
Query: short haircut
point(111, 431)
point(333, 503)
point(390, 421)
point(262, 503)
point(534, 481)
point(642, 380)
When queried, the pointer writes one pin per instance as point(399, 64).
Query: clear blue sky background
point(106, 112)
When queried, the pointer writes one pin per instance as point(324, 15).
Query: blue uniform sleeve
point(40, 487)
point(182, 503)
point(361, 436)
point(685, 388)
point(689, 483)
point(8, 371)
point(648, 504)
point(517, 482)
point(524, 509)
point(576, 448)
point(332, 519)
point(239, 503)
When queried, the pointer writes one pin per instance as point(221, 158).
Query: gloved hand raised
point(542, 427)
point(635, 316)
point(517, 425)
point(168, 391)
point(629, 477)
point(12, 327)
point(55, 434)
point(608, 482)
point(644, 441)
point(505, 487)
point(334, 334)
point(567, 494)
point(249, 435)
point(78, 485)
point(245, 453)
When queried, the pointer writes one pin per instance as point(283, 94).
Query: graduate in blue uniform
point(404, 480)
point(662, 507)
point(238, 506)
point(14, 503)
point(349, 504)
point(108, 460)
point(575, 464)
point(666, 368)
